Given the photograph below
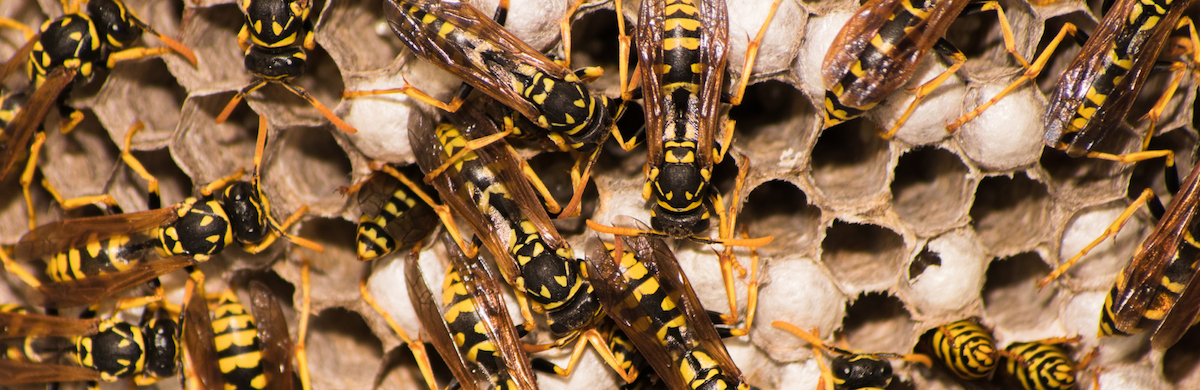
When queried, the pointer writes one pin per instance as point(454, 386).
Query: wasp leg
point(442, 211)
point(552, 205)
point(470, 147)
point(412, 92)
point(27, 176)
point(579, 182)
point(1110, 232)
point(13, 24)
point(134, 53)
point(727, 222)
point(591, 336)
point(278, 229)
point(302, 329)
point(13, 268)
point(154, 197)
point(333, 118)
point(416, 346)
point(1031, 70)
point(752, 55)
point(237, 98)
point(564, 25)
point(946, 49)
point(1178, 67)
point(623, 57)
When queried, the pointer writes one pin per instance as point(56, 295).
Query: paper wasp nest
point(877, 239)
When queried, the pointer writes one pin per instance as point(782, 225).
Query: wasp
point(490, 189)
point(1043, 364)
point(70, 48)
point(1097, 90)
point(44, 348)
point(394, 215)
point(91, 258)
point(469, 326)
point(682, 57)
point(235, 348)
point(879, 49)
point(966, 348)
point(639, 282)
point(852, 370)
point(1156, 289)
point(1099, 87)
point(548, 100)
point(275, 37)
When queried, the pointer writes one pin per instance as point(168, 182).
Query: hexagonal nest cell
point(874, 240)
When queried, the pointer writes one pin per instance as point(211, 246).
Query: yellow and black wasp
point(238, 349)
point(1156, 290)
point(1097, 90)
point(44, 349)
point(1043, 364)
point(88, 259)
point(469, 326)
point(549, 100)
point(639, 282)
point(394, 215)
point(70, 48)
point(682, 55)
point(488, 188)
point(852, 370)
point(966, 348)
point(275, 37)
point(878, 51)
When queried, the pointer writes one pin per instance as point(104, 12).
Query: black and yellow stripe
point(1040, 366)
point(549, 275)
point(1178, 273)
point(843, 100)
point(966, 348)
point(239, 350)
point(680, 183)
point(489, 58)
point(667, 324)
point(393, 217)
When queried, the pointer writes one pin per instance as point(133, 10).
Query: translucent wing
point(58, 236)
point(85, 291)
point(273, 332)
point(426, 306)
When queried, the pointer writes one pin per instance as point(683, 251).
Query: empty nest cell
point(1011, 298)
point(849, 162)
point(862, 257)
point(778, 208)
point(931, 188)
point(1011, 213)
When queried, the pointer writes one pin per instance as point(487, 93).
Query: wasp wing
point(662, 263)
point(21, 129)
point(84, 291)
point(199, 341)
point(412, 224)
point(620, 301)
point(19, 325)
point(1111, 114)
point(14, 372)
point(428, 41)
point(1182, 314)
point(714, 39)
point(493, 314)
point(1143, 275)
point(21, 57)
point(273, 332)
point(426, 306)
point(56, 237)
point(889, 68)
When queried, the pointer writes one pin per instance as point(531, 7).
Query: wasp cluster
point(878, 239)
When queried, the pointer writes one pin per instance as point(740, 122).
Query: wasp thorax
point(862, 372)
point(275, 65)
point(244, 208)
point(114, 21)
point(115, 351)
point(201, 231)
point(578, 313)
point(162, 348)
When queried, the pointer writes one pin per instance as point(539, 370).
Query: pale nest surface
point(878, 239)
